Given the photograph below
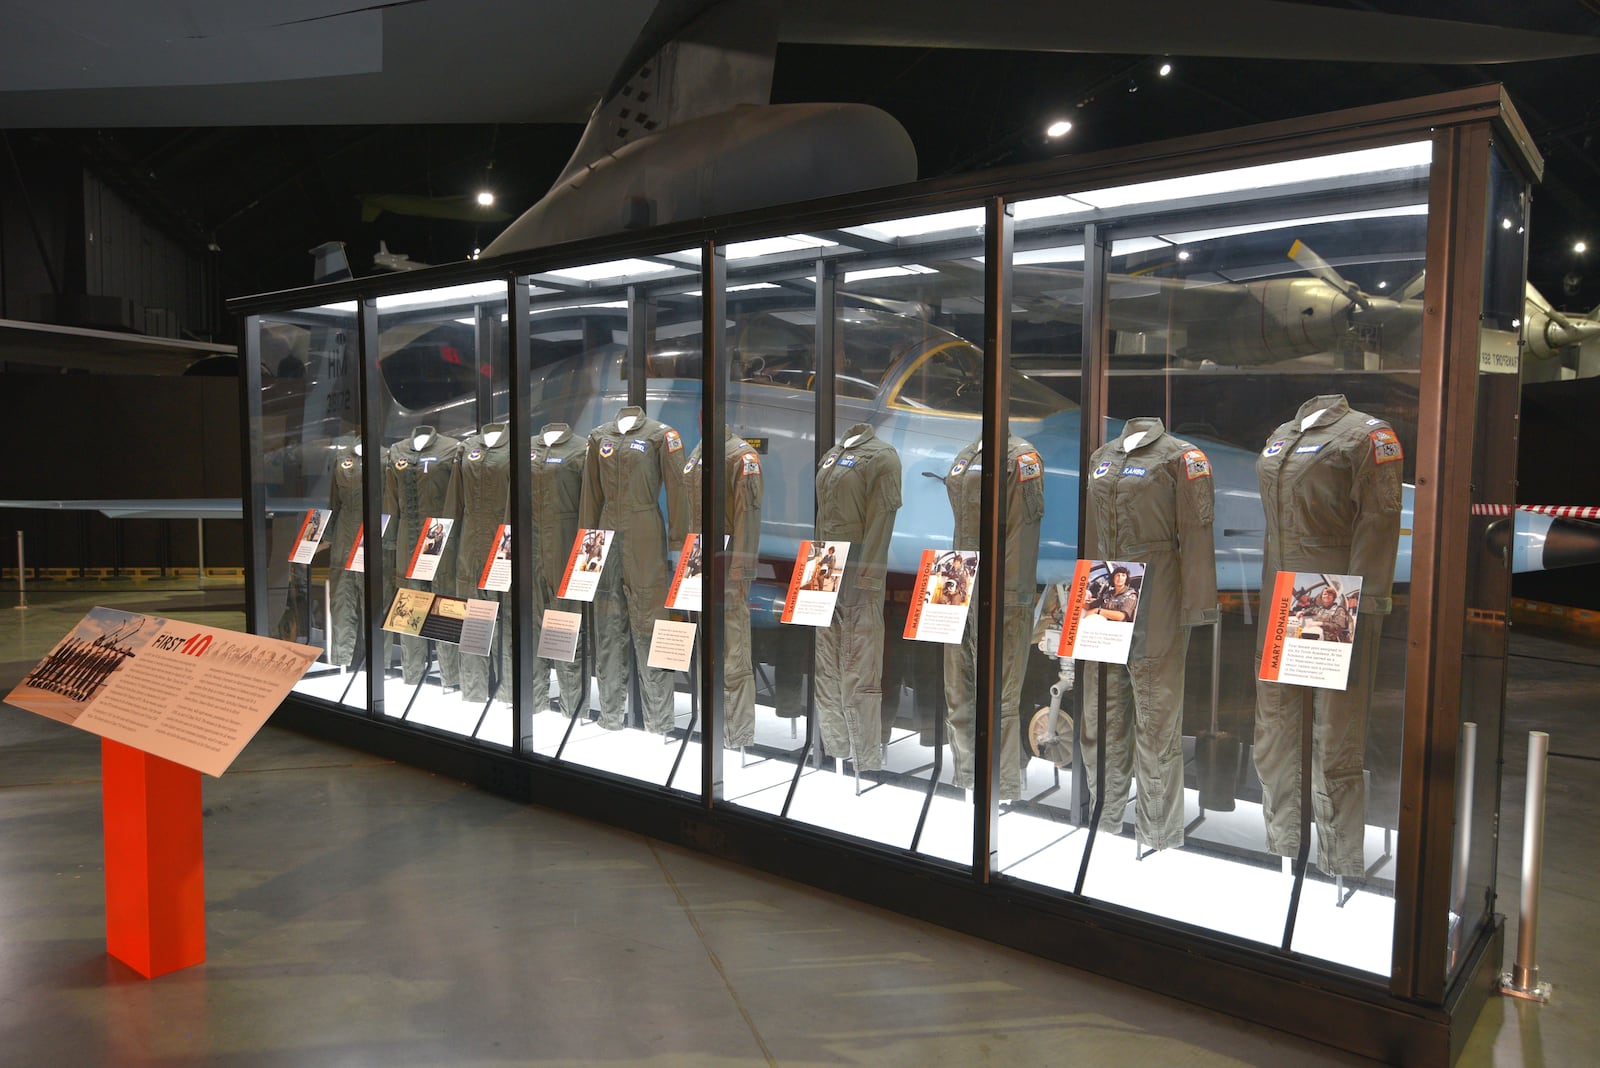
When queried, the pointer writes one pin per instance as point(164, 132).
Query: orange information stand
point(155, 871)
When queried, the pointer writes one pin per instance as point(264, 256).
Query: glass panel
point(616, 369)
point(1265, 332)
point(859, 728)
point(446, 479)
point(310, 412)
point(1484, 644)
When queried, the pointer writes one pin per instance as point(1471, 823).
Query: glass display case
point(1088, 549)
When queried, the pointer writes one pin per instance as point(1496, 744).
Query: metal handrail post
point(1523, 979)
point(22, 575)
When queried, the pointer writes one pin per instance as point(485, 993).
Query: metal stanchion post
point(22, 575)
point(1523, 979)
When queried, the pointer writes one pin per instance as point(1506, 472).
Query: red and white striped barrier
point(1561, 511)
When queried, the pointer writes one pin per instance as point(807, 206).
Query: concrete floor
point(361, 912)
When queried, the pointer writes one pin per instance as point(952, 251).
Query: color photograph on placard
point(590, 549)
point(408, 611)
point(684, 593)
point(82, 662)
point(429, 548)
point(497, 568)
point(357, 560)
point(1311, 623)
point(312, 527)
point(1101, 607)
point(946, 582)
point(814, 584)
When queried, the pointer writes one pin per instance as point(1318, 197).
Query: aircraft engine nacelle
point(1296, 317)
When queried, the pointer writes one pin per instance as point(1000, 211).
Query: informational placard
point(814, 585)
point(497, 568)
point(1100, 609)
point(585, 563)
point(1311, 623)
point(312, 527)
point(429, 548)
point(190, 694)
point(946, 583)
point(463, 621)
point(671, 645)
point(558, 635)
point(684, 593)
point(1498, 353)
point(357, 560)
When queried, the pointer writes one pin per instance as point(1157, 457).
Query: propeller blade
point(1318, 267)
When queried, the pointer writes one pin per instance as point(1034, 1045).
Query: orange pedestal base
point(155, 873)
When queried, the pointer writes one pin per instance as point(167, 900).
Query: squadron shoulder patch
point(1196, 465)
point(475, 454)
point(607, 447)
point(1385, 447)
point(827, 461)
point(1101, 469)
point(956, 468)
point(1029, 466)
point(1274, 449)
point(688, 467)
point(752, 463)
point(401, 465)
point(674, 442)
point(347, 463)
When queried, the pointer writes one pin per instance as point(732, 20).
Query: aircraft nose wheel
point(1055, 747)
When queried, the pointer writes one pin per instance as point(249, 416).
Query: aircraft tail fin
point(691, 59)
point(331, 264)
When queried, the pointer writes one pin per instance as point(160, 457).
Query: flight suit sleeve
point(391, 504)
point(671, 458)
point(590, 501)
point(883, 501)
point(1197, 560)
point(1024, 512)
point(744, 515)
point(1375, 533)
point(680, 525)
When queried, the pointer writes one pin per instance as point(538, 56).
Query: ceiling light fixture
point(1059, 128)
point(1581, 247)
point(485, 199)
point(1164, 70)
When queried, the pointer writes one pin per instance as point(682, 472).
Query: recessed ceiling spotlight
point(485, 199)
point(1059, 128)
point(1183, 254)
point(1164, 70)
point(1581, 247)
point(1383, 285)
point(1505, 224)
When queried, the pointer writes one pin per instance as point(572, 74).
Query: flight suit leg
point(344, 612)
point(1158, 737)
point(657, 686)
point(961, 705)
point(829, 684)
point(1118, 745)
point(612, 649)
point(1338, 782)
point(539, 669)
point(860, 656)
point(1018, 626)
point(570, 676)
point(474, 669)
point(738, 675)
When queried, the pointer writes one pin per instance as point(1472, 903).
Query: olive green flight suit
point(858, 493)
point(1024, 481)
point(742, 483)
point(556, 457)
point(623, 476)
point(481, 490)
point(415, 488)
point(1331, 493)
point(346, 595)
point(1153, 505)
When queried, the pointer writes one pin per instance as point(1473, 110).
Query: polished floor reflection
point(363, 912)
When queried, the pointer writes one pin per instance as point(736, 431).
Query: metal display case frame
point(1435, 987)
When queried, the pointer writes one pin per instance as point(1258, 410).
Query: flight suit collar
point(862, 432)
point(1153, 431)
point(1337, 407)
point(490, 428)
point(563, 433)
point(633, 410)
